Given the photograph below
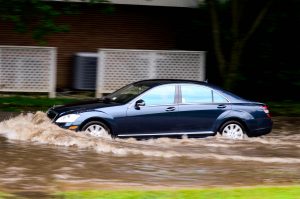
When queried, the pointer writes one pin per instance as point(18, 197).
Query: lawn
point(285, 108)
point(18, 103)
point(282, 192)
point(291, 192)
point(31, 103)
point(6, 196)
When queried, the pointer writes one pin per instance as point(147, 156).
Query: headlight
point(67, 118)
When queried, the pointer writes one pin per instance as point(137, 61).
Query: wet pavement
point(37, 156)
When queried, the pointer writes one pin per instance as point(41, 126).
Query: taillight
point(266, 110)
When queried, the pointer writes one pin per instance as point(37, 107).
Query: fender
point(96, 115)
point(239, 115)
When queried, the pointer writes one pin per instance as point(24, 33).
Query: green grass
point(26, 103)
point(287, 192)
point(5, 195)
point(19, 103)
point(284, 108)
point(291, 192)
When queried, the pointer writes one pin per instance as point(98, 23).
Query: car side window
point(161, 95)
point(196, 94)
point(217, 98)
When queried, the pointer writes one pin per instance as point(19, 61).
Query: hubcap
point(96, 130)
point(233, 131)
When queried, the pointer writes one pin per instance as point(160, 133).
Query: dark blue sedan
point(172, 108)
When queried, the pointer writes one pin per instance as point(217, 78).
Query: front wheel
point(96, 129)
point(233, 130)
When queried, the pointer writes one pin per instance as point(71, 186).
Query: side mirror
point(139, 103)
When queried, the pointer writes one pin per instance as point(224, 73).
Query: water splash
point(39, 129)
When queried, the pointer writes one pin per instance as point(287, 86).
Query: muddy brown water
point(37, 156)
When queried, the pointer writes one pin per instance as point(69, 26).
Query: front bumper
point(69, 126)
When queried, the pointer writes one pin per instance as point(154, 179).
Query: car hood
point(82, 106)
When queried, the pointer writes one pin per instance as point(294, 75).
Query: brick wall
point(128, 27)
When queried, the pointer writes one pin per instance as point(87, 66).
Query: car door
point(199, 108)
point(157, 115)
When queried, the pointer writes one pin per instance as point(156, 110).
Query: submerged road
point(39, 156)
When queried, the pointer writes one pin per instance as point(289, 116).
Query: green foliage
point(268, 68)
point(38, 16)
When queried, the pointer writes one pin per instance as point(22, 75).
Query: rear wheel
point(233, 130)
point(96, 129)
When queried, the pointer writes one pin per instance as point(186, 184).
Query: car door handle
point(170, 109)
point(222, 106)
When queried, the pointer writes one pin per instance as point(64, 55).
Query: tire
point(96, 129)
point(233, 130)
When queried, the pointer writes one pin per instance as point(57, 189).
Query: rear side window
point(217, 98)
point(196, 94)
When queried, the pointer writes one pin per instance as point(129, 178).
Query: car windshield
point(126, 93)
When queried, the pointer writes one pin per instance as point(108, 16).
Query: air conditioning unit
point(84, 71)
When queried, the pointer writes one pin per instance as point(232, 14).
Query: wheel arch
point(97, 119)
point(241, 121)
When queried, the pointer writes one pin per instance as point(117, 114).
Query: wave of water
point(39, 129)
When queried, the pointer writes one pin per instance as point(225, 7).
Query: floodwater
point(37, 156)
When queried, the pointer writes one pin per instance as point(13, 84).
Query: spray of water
point(38, 128)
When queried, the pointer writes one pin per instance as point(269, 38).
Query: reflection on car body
point(163, 107)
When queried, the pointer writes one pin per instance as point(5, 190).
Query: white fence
point(118, 67)
point(28, 69)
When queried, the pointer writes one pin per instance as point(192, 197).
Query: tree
point(231, 33)
point(37, 16)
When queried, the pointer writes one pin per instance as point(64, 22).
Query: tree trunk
point(229, 66)
point(232, 73)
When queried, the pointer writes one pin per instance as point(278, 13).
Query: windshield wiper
point(107, 100)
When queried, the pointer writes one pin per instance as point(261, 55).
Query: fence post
point(52, 93)
point(100, 74)
point(202, 66)
point(152, 64)
point(0, 67)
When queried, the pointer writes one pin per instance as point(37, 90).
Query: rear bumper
point(259, 132)
point(264, 126)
